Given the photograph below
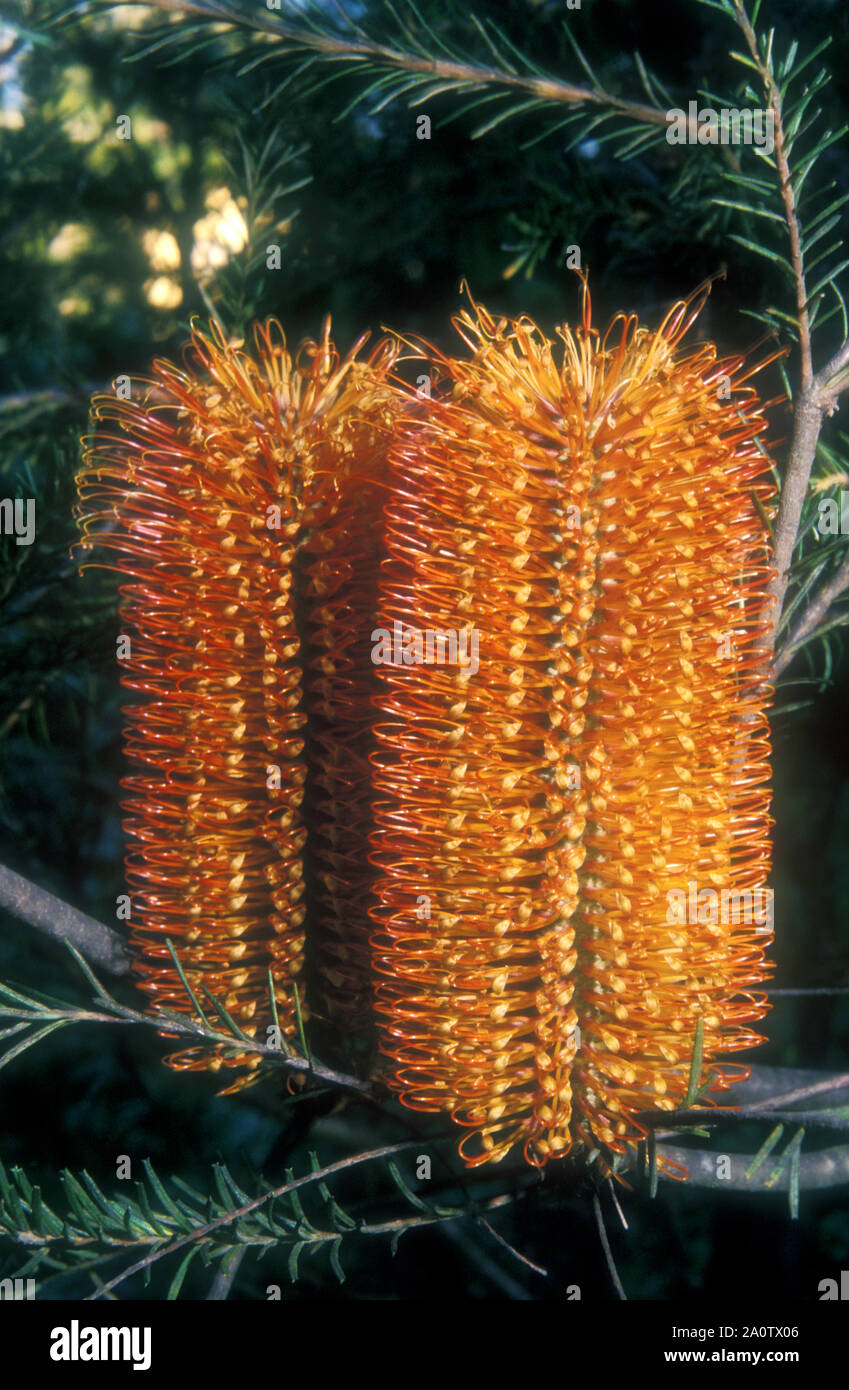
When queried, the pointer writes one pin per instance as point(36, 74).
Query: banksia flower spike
point(586, 522)
point(340, 565)
point(202, 484)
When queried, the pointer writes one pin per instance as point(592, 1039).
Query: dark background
point(384, 233)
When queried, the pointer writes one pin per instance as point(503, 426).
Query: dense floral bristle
point(595, 515)
point(202, 484)
point(340, 567)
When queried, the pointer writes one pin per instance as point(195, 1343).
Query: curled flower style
point(202, 484)
point(340, 567)
point(595, 513)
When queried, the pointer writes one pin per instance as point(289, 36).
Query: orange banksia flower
point(571, 804)
point(202, 485)
point(340, 569)
point(460, 701)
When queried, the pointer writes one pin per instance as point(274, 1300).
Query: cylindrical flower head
point(202, 484)
point(571, 808)
point(340, 566)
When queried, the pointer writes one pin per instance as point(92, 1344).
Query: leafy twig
point(818, 392)
point(428, 65)
point(285, 1189)
point(44, 1013)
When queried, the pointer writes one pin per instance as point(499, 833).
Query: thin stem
point(608, 1253)
point(523, 1259)
point(227, 1271)
point(615, 1200)
point(787, 195)
point(813, 616)
point(815, 1088)
point(481, 1260)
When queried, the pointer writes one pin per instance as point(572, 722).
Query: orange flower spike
point(474, 991)
point(678, 741)
point(206, 480)
point(589, 514)
point(338, 576)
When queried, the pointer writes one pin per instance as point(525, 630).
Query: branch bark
point(827, 1168)
point(770, 1085)
point(814, 614)
point(57, 919)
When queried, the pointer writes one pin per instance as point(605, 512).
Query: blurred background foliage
point(107, 249)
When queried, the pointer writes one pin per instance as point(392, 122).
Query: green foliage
point(806, 144)
point(34, 1015)
point(140, 1223)
point(238, 289)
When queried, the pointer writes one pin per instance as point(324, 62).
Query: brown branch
point(815, 401)
point(787, 195)
point(807, 423)
point(831, 384)
point(48, 914)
